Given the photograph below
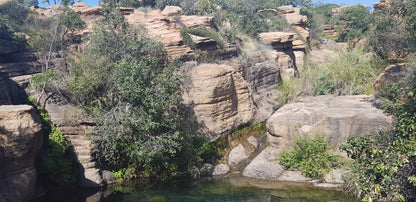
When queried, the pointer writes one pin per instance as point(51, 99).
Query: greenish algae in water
point(233, 189)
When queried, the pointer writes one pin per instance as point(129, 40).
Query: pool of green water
point(225, 189)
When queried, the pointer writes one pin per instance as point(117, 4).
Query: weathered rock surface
point(336, 117)
point(237, 155)
point(253, 141)
point(290, 46)
point(221, 169)
point(20, 141)
point(220, 97)
point(265, 165)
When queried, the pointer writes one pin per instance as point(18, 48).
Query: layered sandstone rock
point(335, 117)
point(290, 46)
point(20, 141)
point(220, 97)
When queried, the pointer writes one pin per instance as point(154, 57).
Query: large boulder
point(392, 73)
point(20, 141)
point(266, 165)
point(220, 98)
point(238, 155)
point(337, 117)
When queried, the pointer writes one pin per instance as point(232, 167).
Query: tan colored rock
point(221, 169)
point(286, 9)
point(276, 37)
point(381, 5)
point(172, 11)
point(295, 19)
point(20, 141)
point(272, 11)
point(265, 165)
point(220, 97)
point(335, 117)
point(237, 155)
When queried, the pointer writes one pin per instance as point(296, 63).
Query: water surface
point(228, 189)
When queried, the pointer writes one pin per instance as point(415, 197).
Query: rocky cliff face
point(220, 97)
point(20, 141)
point(290, 46)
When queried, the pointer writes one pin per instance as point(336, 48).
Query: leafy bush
point(349, 74)
point(310, 155)
point(352, 22)
point(200, 31)
point(392, 36)
point(384, 163)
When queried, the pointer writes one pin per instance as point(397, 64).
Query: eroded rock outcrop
point(20, 141)
point(290, 46)
point(220, 97)
point(335, 117)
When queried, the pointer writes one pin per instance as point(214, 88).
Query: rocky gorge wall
point(20, 142)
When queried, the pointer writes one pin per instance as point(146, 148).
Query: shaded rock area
point(220, 98)
point(392, 73)
point(20, 142)
point(76, 126)
point(16, 69)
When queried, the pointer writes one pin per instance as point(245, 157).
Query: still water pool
point(225, 189)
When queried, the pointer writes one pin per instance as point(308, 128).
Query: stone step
point(88, 165)
point(82, 152)
point(85, 159)
point(77, 137)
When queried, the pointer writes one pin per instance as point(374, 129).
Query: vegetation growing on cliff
point(384, 163)
point(349, 74)
point(311, 155)
point(136, 89)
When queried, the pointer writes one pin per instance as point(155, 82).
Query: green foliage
point(310, 155)
point(352, 22)
point(222, 146)
point(384, 163)
point(134, 91)
point(12, 19)
point(392, 36)
point(349, 74)
point(318, 16)
point(56, 168)
point(200, 31)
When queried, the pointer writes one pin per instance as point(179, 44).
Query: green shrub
point(200, 31)
point(56, 168)
point(384, 163)
point(352, 22)
point(310, 155)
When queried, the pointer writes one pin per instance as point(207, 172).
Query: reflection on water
point(227, 189)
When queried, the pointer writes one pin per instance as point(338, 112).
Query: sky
point(368, 3)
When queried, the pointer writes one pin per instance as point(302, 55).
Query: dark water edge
point(208, 189)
